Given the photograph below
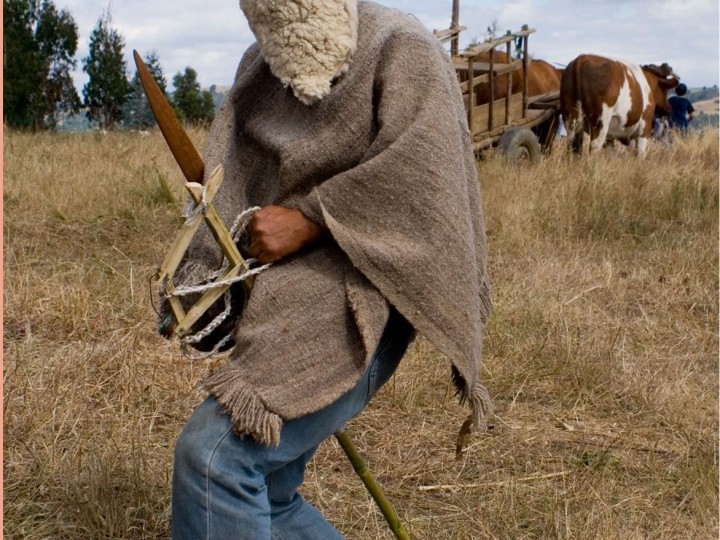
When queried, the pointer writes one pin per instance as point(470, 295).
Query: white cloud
point(683, 33)
point(212, 36)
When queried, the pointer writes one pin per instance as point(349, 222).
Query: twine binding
point(239, 225)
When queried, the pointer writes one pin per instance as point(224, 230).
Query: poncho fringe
point(247, 411)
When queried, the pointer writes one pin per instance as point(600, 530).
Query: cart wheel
point(520, 145)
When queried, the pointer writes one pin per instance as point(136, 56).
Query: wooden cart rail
point(461, 66)
point(498, 114)
point(494, 43)
point(485, 118)
point(446, 35)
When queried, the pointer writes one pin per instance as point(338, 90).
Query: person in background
point(661, 127)
point(682, 109)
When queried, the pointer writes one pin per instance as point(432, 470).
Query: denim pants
point(227, 487)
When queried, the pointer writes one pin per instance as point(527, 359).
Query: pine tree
point(107, 87)
point(192, 104)
point(40, 43)
point(136, 113)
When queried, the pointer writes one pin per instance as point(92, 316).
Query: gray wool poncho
point(382, 159)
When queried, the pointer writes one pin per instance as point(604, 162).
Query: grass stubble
point(601, 355)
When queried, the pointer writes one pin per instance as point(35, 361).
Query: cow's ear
point(672, 82)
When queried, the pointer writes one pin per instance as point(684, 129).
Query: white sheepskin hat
point(306, 43)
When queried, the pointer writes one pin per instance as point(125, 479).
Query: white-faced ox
point(613, 99)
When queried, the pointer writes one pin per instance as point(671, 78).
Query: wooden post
point(471, 96)
point(525, 70)
point(454, 24)
point(361, 468)
point(509, 81)
point(491, 124)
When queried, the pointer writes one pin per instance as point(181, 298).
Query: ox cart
point(501, 112)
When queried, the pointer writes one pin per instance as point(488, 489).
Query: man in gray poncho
point(346, 125)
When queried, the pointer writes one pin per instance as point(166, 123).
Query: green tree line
point(703, 94)
point(40, 47)
point(703, 119)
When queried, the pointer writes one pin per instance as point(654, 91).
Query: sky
point(210, 36)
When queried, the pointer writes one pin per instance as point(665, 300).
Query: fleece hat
point(306, 43)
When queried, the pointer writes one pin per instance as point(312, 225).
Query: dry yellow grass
point(708, 106)
point(602, 356)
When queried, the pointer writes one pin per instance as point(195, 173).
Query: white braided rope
point(205, 332)
point(184, 291)
point(212, 325)
point(193, 354)
point(241, 221)
point(238, 226)
point(198, 210)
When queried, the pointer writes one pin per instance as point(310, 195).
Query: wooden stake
point(509, 76)
point(526, 61)
point(454, 24)
point(372, 486)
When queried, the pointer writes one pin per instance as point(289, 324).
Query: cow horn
point(668, 71)
point(663, 71)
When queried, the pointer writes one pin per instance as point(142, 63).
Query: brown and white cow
point(613, 99)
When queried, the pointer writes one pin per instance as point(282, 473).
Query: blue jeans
point(227, 487)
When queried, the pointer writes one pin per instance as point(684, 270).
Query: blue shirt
point(681, 108)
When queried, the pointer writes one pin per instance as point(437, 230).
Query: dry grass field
point(708, 106)
point(601, 355)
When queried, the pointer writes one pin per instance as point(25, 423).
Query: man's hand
point(276, 232)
